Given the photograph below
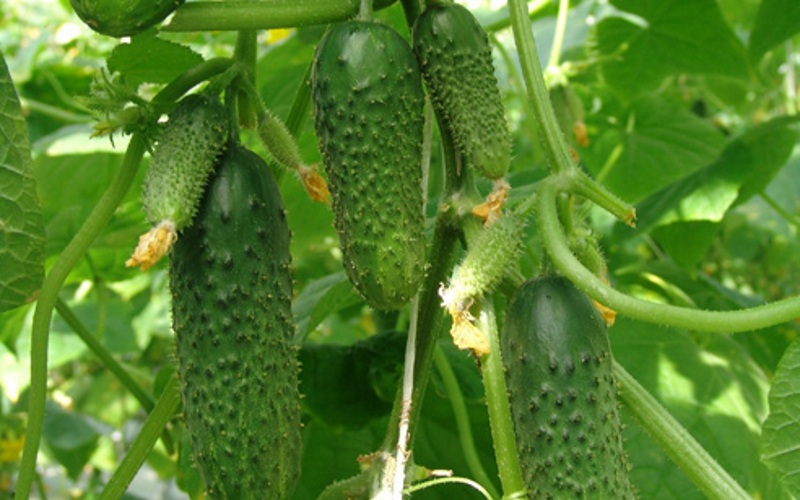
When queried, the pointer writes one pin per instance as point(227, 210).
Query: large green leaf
point(713, 388)
point(670, 37)
point(780, 439)
point(21, 225)
point(744, 168)
point(776, 22)
point(665, 143)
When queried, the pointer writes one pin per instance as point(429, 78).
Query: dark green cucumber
point(120, 18)
point(232, 287)
point(456, 62)
point(563, 394)
point(368, 99)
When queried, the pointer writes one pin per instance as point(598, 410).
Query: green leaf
point(780, 439)
point(744, 168)
point(776, 22)
point(70, 437)
point(666, 143)
point(712, 387)
point(151, 59)
point(669, 37)
point(348, 386)
point(686, 242)
point(319, 299)
point(21, 224)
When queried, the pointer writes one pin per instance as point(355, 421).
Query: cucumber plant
point(416, 243)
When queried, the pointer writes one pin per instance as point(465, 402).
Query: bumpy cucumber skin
point(183, 159)
point(231, 285)
point(120, 18)
point(368, 100)
point(456, 62)
point(563, 394)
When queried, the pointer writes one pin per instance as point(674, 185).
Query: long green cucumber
point(368, 99)
point(231, 285)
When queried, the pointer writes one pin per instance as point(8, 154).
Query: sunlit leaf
point(668, 37)
point(665, 143)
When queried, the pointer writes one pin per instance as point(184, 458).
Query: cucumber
point(368, 100)
point(456, 62)
point(187, 149)
point(183, 158)
point(231, 288)
point(563, 394)
point(120, 18)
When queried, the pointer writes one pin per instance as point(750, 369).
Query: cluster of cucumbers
point(232, 316)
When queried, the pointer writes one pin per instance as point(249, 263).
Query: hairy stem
point(502, 427)
point(752, 318)
point(264, 14)
point(555, 148)
point(676, 441)
point(49, 296)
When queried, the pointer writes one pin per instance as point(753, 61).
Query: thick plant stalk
point(676, 442)
point(165, 408)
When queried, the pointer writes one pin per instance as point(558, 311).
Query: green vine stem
point(676, 442)
point(557, 247)
point(245, 55)
point(265, 14)
point(49, 295)
point(462, 422)
point(555, 148)
point(165, 408)
point(110, 363)
point(502, 428)
point(71, 254)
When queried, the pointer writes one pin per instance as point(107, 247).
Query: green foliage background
point(691, 115)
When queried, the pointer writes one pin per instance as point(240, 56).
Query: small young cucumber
point(120, 18)
point(232, 287)
point(183, 158)
point(456, 63)
point(368, 99)
point(563, 394)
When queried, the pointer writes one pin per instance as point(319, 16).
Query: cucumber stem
point(555, 147)
point(48, 297)
point(555, 242)
point(462, 422)
point(264, 14)
point(163, 411)
point(502, 428)
point(676, 441)
point(245, 55)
